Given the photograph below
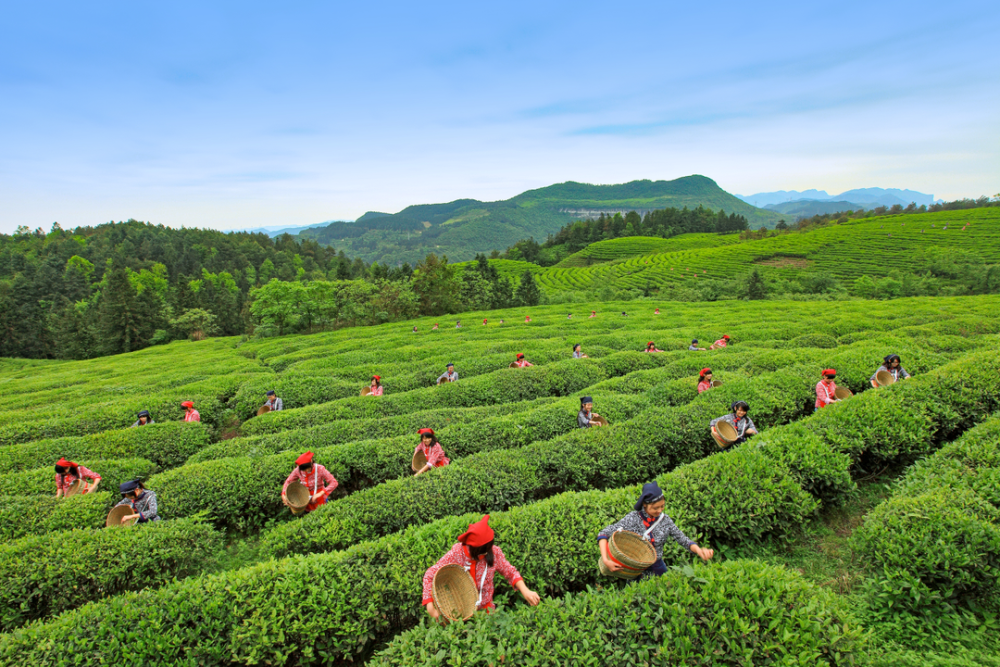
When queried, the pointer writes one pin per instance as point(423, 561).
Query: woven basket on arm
point(419, 460)
point(74, 488)
point(635, 553)
point(115, 516)
point(725, 434)
point(843, 392)
point(454, 593)
point(884, 378)
point(298, 495)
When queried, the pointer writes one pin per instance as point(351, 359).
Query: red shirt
point(377, 391)
point(434, 453)
point(459, 555)
point(826, 393)
point(63, 481)
point(722, 342)
point(703, 385)
point(318, 479)
point(192, 416)
point(523, 363)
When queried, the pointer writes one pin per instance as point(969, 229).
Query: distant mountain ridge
point(865, 197)
point(464, 227)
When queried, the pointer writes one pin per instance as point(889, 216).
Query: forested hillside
point(464, 227)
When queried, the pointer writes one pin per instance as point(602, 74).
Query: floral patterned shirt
point(319, 478)
point(704, 385)
point(145, 506)
point(192, 416)
point(639, 522)
point(741, 425)
point(63, 481)
point(377, 391)
point(523, 363)
point(898, 373)
point(434, 453)
point(481, 574)
point(722, 342)
point(826, 393)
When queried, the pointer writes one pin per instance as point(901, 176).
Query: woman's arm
point(606, 556)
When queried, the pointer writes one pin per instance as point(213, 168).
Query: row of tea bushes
point(936, 543)
point(738, 612)
point(168, 445)
point(35, 515)
point(744, 492)
point(42, 480)
point(242, 494)
point(350, 430)
point(267, 613)
point(657, 439)
point(47, 574)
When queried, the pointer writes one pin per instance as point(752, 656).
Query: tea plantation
point(230, 577)
point(869, 246)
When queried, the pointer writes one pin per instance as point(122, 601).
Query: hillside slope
point(461, 228)
point(872, 246)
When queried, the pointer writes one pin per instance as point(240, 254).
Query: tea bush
point(34, 515)
point(167, 445)
point(42, 480)
point(47, 574)
point(739, 612)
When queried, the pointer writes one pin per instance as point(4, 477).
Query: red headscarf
point(726, 337)
point(829, 371)
point(520, 355)
point(187, 404)
point(704, 372)
point(478, 534)
point(377, 377)
point(63, 463)
point(425, 431)
point(305, 458)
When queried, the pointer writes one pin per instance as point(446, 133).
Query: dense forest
point(663, 223)
point(123, 286)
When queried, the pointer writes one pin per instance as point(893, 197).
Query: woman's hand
point(284, 499)
point(130, 517)
point(704, 554)
point(435, 614)
point(611, 565)
point(531, 597)
point(751, 431)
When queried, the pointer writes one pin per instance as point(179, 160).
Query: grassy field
point(797, 515)
point(872, 246)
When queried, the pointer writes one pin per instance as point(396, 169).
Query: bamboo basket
point(600, 420)
point(298, 496)
point(724, 434)
point(715, 383)
point(454, 593)
point(843, 392)
point(366, 391)
point(635, 553)
point(884, 378)
point(263, 410)
point(419, 460)
point(75, 488)
point(513, 364)
point(115, 516)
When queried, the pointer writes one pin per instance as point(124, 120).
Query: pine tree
point(527, 293)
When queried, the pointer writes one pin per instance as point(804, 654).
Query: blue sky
point(242, 114)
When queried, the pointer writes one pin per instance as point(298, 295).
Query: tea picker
point(578, 352)
point(651, 348)
point(190, 414)
point(476, 554)
point(314, 478)
point(826, 389)
point(646, 523)
point(693, 347)
point(71, 479)
point(140, 500)
point(720, 344)
point(375, 388)
point(705, 381)
point(889, 372)
point(271, 404)
point(734, 428)
point(587, 417)
point(449, 374)
point(144, 418)
point(521, 362)
point(429, 453)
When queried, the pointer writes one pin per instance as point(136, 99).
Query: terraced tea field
point(230, 577)
point(872, 246)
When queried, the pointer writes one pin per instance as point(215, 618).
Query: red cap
point(706, 371)
point(726, 336)
point(63, 463)
point(649, 343)
point(305, 458)
point(478, 534)
point(376, 377)
point(187, 404)
point(426, 431)
point(520, 355)
point(830, 371)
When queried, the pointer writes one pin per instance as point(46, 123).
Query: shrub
point(167, 445)
point(47, 574)
point(948, 539)
point(814, 464)
point(677, 619)
point(42, 480)
point(34, 515)
point(820, 340)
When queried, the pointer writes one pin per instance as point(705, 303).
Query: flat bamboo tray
point(454, 593)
